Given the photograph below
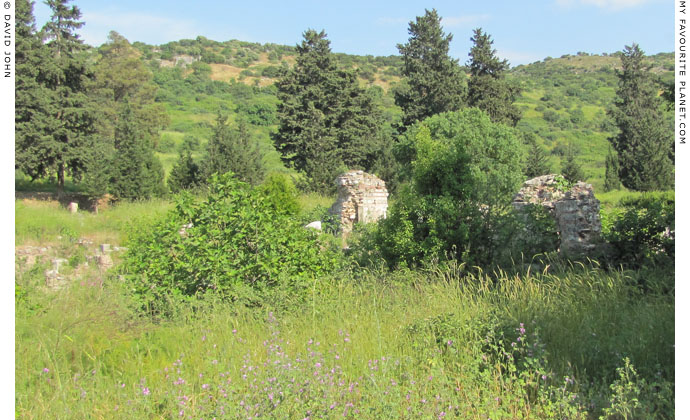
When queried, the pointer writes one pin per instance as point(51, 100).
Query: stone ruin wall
point(576, 211)
point(362, 198)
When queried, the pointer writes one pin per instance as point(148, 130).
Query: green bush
point(465, 170)
point(234, 243)
point(281, 194)
point(642, 232)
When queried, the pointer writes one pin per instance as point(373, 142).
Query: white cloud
point(135, 27)
point(463, 21)
point(604, 4)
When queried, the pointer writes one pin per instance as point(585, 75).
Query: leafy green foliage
point(632, 397)
point(644, 144)
point(643, 231)
point(488, 88)
point(235, 243)
point(465, 170)
point(433, 82)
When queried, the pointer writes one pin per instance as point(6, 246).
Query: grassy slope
point(565, 85)
point(575, 92)
point(381, 342)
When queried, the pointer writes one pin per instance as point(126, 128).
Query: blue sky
point(523, 31)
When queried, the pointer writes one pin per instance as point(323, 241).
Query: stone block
point(362, 198)
point(576, 211)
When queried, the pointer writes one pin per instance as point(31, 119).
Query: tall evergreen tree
point(32, 99)
point(571, 169)
point(433, 82)
point(644, 143)
point(136, 172)
point(537, 161)
point(185, 174)
point(64, 114)
point(232, 149)
point(611, 180)
point(122, 76)
point(326, 121)
point(488, 88)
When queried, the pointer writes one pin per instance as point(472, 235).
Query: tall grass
point(42, 222)
point(439, 343)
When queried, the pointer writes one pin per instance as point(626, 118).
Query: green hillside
point(563, 101)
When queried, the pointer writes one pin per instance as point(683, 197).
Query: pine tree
point(572, 170)
point(611, 180)
point(488, 88)
point(185, 174)
point(56, 117)
point(233, 150)
point(433, 82)
point(326, 121)
point(537, 162)
point(644, 144)
point(136, 172)
point(31, 97)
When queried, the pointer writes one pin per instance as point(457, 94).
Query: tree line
point(92, 115)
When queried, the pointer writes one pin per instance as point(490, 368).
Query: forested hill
point(563, 100)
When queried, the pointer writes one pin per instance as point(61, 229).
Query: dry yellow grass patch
point(224, 72)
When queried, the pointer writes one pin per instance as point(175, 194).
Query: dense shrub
point(642, 231)
point(281, 194)
point(465, 170)
point(235, 242)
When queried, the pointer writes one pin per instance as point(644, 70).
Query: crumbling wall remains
point(362, 198)
point(575, 211)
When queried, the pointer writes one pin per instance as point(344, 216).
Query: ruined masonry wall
point(362, 198)
point(575, 211)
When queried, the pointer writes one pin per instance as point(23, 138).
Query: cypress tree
point(326, 121)
point(611, 180)
point(136, 172)
point(644, 144)
point(537, 161)
point(234, 150)
point(572, 170)
point(488, 88)
point(185, 174)
point(433, 82)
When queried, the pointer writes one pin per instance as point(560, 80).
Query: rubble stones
point(575, 211)
point(104, 262)
point(362, 198)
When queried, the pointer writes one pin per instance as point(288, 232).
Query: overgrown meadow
point(550, 339)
